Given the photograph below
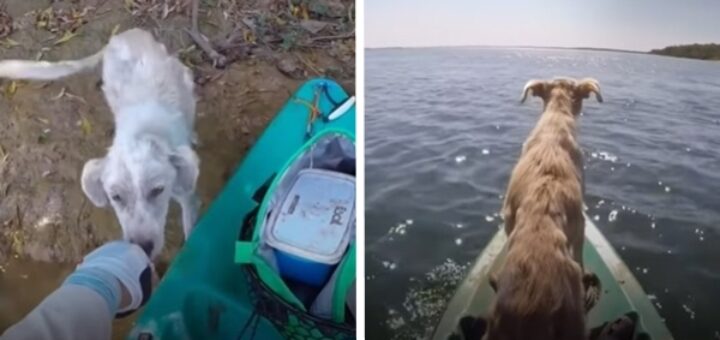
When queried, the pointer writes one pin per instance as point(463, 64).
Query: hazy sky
point(624, 24)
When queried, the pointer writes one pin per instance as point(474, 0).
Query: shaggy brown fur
point(540, 293)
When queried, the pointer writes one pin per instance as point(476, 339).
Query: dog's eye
point(155, 192)
point(117, 198)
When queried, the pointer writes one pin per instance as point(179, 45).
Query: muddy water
point(49, 130)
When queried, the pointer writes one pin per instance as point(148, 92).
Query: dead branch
point(218, 59)
point(348, 35)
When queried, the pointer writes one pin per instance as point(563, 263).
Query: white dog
point(151, 160)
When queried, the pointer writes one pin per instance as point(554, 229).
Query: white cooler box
point(311, 230)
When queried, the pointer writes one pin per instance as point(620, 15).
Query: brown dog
point(540, 287)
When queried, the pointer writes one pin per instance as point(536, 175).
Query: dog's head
point(138, 182)
point(571, 91)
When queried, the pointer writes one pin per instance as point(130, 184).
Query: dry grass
point(156, 9)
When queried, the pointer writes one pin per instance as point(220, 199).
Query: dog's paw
point(593, 290)
point(471, 328)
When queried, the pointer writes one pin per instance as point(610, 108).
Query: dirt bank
point(49, 130)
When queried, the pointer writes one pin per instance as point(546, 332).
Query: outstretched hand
point(120, 272)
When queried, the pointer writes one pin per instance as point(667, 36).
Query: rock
point(245, 130)
point(265, 4)
point(328, 8)
point(313, 26)
point(289, 67)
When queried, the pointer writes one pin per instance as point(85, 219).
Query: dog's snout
point(146, 245)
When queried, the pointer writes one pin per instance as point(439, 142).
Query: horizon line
point(609, 49)
point(512, 46)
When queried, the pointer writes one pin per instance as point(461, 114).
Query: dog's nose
point(147, 246)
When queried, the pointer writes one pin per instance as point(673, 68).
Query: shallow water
point(444, 128)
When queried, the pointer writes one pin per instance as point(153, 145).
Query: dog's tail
point(44, 70)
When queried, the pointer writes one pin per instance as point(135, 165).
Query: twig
point(80, 212)
point(18, 216)
point(7, 188)
point(308, 64)
point(351, 10)
point(334, 37)
point(218, 59)
point(101, 3)
point(60, 95)
point(195, 10)
point(230, 40)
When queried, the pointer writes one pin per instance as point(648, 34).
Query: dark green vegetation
point(695, 51)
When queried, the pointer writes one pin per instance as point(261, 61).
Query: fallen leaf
point(65, 38)
point(313, 26)
point(249, 37)
point(85, 126)
point(115, 30)
point(43, 19)
point(187, 62)
point(305, 14)
point(249, 23)
point(186, 50)
point(8, 43)
point(10, 89)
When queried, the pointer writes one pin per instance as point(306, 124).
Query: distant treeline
point(695, 51)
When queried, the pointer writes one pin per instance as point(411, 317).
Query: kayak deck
point(205, 294)
point(621, 292)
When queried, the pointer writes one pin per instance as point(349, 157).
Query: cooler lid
point(315, 217)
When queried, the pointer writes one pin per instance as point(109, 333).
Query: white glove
point(112, 267)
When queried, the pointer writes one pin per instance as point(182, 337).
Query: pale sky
point(623, 24)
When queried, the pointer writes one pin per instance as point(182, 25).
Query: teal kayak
point(205, 294)
point(622, 294)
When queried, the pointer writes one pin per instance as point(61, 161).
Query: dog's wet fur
point(540, 291)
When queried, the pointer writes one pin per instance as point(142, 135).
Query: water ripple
point(444, 129)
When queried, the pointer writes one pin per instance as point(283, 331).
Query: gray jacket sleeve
point(71, 312)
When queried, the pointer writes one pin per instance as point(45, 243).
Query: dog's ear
point(187, 165)
point(538, 88)
point(91, 181)
point(588, 85)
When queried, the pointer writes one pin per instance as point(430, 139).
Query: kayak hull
point(205, 294)
point(621, 292)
